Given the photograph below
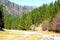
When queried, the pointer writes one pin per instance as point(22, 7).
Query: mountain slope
point(13, 8)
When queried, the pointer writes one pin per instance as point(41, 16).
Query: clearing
point(28, 35)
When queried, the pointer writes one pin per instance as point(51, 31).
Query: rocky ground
point(28, 35)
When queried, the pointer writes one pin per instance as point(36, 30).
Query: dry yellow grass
point(10, 36)
point(22, 35)
point(33, 37)
point(16, 35)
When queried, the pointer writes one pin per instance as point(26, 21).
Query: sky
point(32, 2)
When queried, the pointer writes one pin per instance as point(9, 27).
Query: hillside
point(12, 8)
point(42, 23)
point(41, 15)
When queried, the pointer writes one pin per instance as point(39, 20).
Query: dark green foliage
point(1, 18)
point(1, 8)
point(36, 16)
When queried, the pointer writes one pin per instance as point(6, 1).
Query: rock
point(55, 23)
point(33, 27)
point(45, 25)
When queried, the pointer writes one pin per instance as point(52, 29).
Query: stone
point(33, 27)
point(45, 25)
point(55, 23)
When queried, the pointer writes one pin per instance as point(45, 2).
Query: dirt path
point(28, 35)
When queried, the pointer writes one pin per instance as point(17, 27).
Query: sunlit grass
point(33, 37)
point(7, 35)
